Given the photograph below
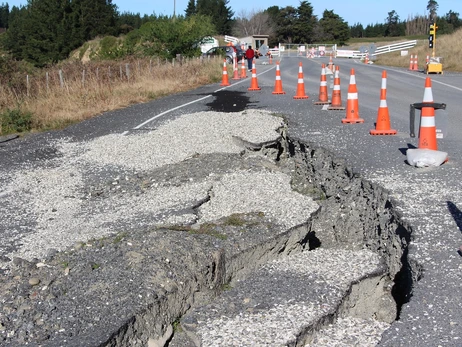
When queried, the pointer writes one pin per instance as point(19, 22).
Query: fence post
point(27, 85)
point(61, 79)
point(127, 71)
point(121, 73)
point(109, 74)
point(83, 78)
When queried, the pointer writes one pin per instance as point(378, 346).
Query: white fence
point(400, 46)
point(306, 50)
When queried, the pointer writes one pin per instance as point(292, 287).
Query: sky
point(352, 11)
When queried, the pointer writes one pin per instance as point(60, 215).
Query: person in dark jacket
point(249, 55)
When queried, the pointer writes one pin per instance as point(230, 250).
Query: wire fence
point(85, 75)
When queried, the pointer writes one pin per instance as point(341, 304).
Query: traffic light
point(431, 38)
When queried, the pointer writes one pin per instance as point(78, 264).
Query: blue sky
point(352, 11)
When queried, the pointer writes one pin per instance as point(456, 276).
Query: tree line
point(44, 32)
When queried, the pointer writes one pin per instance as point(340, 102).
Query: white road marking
point(186, 104)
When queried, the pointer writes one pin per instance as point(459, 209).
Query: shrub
point(14, 121)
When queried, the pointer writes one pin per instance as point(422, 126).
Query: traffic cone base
point(357, 120)
point(336, 108)
point(383, 132)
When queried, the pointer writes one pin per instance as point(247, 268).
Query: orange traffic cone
point(427, 133)
point(331, 64)
point(411, 63)
point(352, 115)
point(224, 78)
point(323, 98)
point(271, 59)
point(243, 69)
point(278, 83)
point(336, 103)
point(254, 82)
point(300, 85)
point(382, 126)
point(415, 67)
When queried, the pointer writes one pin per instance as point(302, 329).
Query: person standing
point(249, 55)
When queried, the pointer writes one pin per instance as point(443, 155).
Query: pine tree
point(97, 17)
point(221, 14)
point(4, 13)
point(191, 9)
point(334, 27)
point(304, 24)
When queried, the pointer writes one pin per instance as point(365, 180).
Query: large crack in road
point(133, 284)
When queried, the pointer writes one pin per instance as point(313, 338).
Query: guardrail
point(379, 50)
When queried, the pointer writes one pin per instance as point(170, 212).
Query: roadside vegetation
point(64, 61)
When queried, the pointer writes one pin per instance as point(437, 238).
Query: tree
point(432, 8)
point(286, 20)
point(15, 35)
point(166, 37)
point(46, 31)
point(335, 29)
point(96, 17)
point(191, 8)
point(416, 25)
point(273, 20)
point(392, 24)
point(4, 13)
point(357, 30)
point(252, 23)
point(304, 23)
point(219, 12)
point(36, 32)
point(453, 20)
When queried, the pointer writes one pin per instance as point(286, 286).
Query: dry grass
point(90, 89)
point(447, 47)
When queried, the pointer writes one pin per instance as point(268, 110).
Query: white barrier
point(343, 53)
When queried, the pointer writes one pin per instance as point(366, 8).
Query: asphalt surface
point(430, 198)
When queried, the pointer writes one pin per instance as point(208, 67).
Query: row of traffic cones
point(413, 63)
point(427, 138)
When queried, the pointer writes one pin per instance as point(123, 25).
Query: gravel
point(91, 190)
point(274, 305)
point(56, 205)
